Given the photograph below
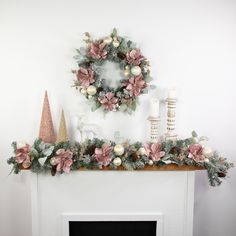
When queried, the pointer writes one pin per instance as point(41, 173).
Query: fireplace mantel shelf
point(169, 167)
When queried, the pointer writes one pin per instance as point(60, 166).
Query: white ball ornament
point(83, 91)
point(21, 144)
point(150, 163)
point(142, 151)
point(207, 152)
point(136, 70)
point(116, 43)
point(119, 150)
point(117, 161)
point(108, 40)
point(91, 90)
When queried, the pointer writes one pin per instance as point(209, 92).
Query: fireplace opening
point(114, 228)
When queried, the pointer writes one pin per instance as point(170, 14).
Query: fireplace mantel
point(167, 193)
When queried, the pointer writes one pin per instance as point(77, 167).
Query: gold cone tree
point(62, 132)
point(46, 131)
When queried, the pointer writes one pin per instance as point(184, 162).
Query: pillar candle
point(154, 107)
point(172, 94)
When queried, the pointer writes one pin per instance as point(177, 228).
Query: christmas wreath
point(135, 68)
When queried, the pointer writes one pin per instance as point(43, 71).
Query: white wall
point(191, 45)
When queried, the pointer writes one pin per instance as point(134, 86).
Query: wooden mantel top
point(169, 167)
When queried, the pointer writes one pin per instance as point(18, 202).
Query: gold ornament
point(142, 151)
point(46, 131)
point(83, 91)
point(119, 150)
point(136, 70)
point(53, 161)
point(26, 164)
point(91, 90)
point(117, 161)
point(62, 133)
point(126, 73)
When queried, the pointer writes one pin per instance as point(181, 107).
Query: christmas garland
point(135, 67)
point(98, 154)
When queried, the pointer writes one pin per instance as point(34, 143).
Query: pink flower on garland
point(196, 152)
point(135, 85)
point(109, 101)
point(63, 160)
point(103, 154)
point(97, 50)
point(153, 150)
point(22, 155)
point(85, 76)
point(134, 57)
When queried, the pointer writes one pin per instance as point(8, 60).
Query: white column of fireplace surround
point(166, 193)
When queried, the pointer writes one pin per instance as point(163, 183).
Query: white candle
point(172, 94)
point(154, 107)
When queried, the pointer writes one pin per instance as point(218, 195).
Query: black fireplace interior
point(112, 228)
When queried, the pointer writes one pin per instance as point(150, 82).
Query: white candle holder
point(171, 107)
point(154, 128)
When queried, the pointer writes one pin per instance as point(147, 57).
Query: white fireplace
point(165, 197)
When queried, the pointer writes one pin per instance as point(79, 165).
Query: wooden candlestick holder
point(154, 128)
point(171, 107)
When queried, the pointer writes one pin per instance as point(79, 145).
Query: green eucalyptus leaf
point(194, 134)
point(123, 107)
point(48, 151)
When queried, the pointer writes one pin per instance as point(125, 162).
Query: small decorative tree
point(46, 131)
point(62, 133)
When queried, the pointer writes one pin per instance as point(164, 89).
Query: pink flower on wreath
point(85, 76)
point(135, 85)
point(109, 101)
point(22, 155)
point(103, 154)
point(97, 50)
point(196, 152)
point(134, 57)
point(153, 150)
point(63, 160)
